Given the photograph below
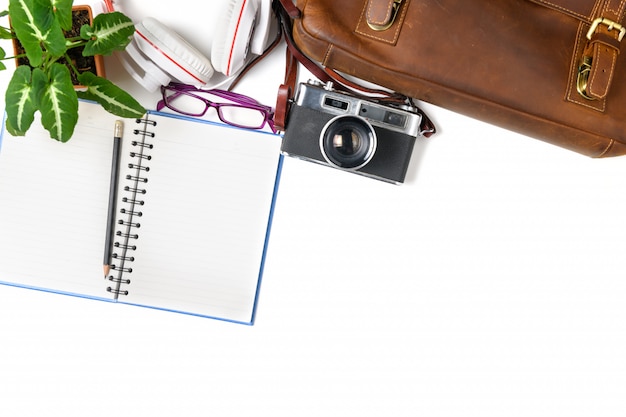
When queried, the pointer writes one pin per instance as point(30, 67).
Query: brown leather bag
point(548, 69)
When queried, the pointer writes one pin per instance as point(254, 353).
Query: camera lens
point(348, 142)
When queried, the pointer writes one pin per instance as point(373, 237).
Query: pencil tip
point(106, 268)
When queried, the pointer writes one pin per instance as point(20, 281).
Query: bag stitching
point(361, 18)
point(607, 149)
point(387, 16)
point(327, 54)
point(616, 12)
point(394, 39)
point(565, 9)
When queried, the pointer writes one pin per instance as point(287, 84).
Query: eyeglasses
point(240, 111)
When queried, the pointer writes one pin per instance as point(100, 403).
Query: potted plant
point(44, 83)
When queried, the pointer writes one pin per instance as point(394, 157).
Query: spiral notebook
point(194, 208)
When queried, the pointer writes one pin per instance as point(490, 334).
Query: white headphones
point(158, 55)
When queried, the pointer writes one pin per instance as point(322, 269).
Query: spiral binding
point(133, 193)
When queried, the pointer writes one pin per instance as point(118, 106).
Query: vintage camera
point(349, 133)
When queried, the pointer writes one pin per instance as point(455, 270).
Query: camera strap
point(286, 11)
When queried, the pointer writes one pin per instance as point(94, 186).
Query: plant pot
point(81, 14)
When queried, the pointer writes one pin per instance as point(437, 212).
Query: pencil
point(115, 169)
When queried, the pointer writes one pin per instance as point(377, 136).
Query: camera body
point(349, 133)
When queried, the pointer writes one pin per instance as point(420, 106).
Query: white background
point(490, 284)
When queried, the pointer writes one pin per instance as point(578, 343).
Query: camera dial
point(348, 142)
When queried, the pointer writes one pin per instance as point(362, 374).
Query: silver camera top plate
point(312, 95)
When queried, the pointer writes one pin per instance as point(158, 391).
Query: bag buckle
point(611, 25)
point(388, 11)
point(585, 67)
point(583, 77)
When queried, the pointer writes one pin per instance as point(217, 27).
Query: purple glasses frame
point(238, 100)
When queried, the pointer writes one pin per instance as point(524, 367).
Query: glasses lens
point(184, 103)
point(242, 116)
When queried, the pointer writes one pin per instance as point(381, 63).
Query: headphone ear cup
point(264, 27)
point(232, 36)
point(169, 51)
point(141, 68)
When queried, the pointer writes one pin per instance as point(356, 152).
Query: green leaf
point(59, 104)
point(35, 24)
point(111, 97)
point(21, 100)
point(5, 33)
point(63, 12)
point(109, 32)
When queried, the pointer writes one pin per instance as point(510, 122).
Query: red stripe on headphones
point(232, 46)
point(172, 60)
point(109, 5)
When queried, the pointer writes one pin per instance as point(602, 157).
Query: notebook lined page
point(203, 227)
point(53, 206)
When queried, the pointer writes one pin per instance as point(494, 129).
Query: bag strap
point(603, 47)
point(287, 12)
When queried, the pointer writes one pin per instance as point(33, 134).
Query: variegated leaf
point(35, 25)
point(112, 98)
point(110, 32)
point(59, 104)
point(21, 101)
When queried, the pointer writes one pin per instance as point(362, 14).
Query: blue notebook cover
point(193, 213)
